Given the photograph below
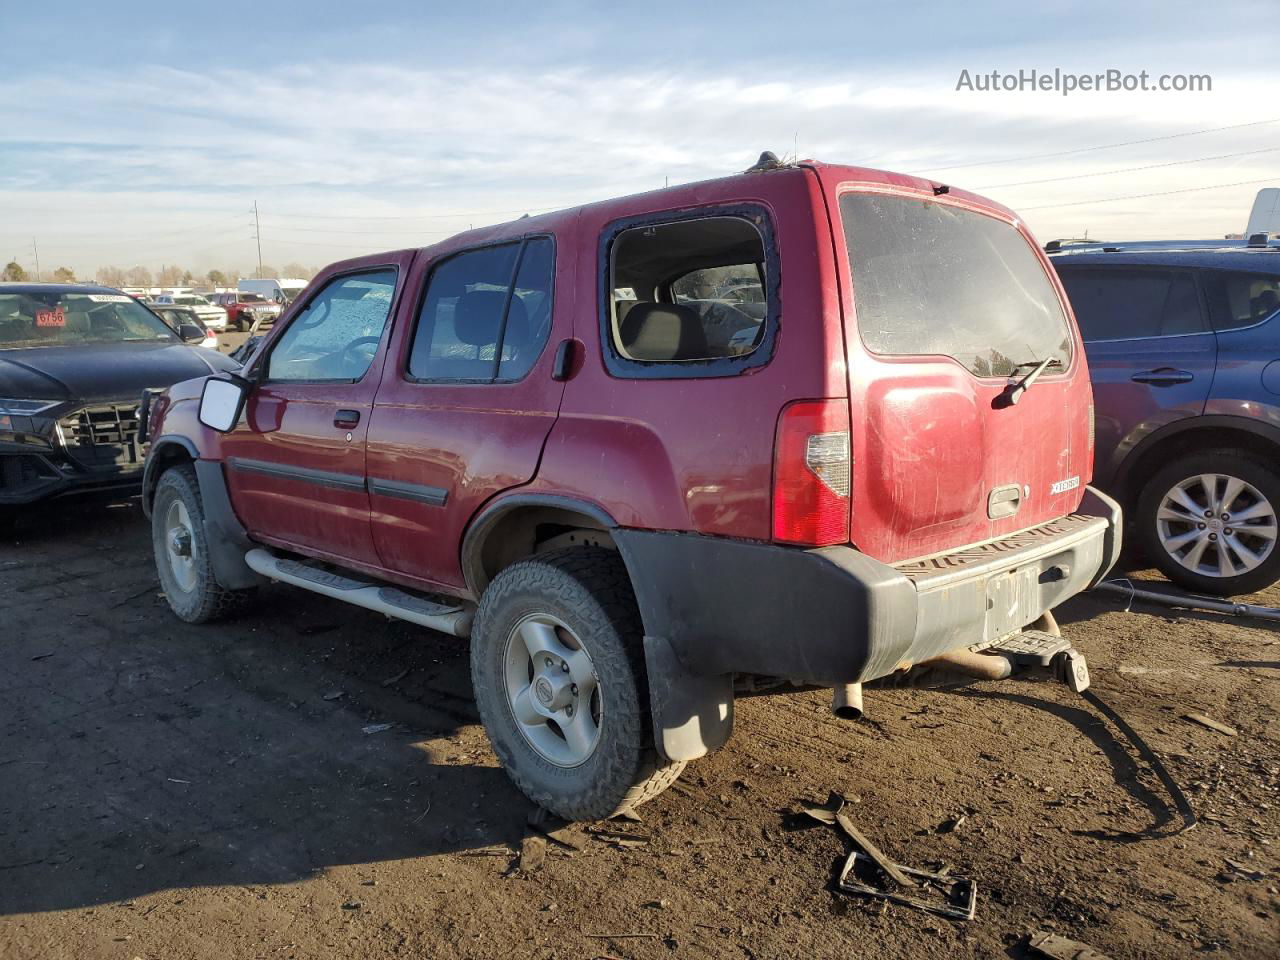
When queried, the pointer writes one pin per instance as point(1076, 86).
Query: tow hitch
point(1034, 651)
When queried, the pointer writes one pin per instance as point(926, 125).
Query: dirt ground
point(169, 791)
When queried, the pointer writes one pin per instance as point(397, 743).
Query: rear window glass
point(1239, 300)
point(933, 279)
point(1120, 304)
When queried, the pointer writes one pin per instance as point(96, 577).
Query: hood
point(103, 371)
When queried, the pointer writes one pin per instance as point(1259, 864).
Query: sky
point(142, 133)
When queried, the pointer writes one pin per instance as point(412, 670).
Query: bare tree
point(298, 271)
point(268, 272)
point(170, 277)
point(139, 277)
point(111, 277)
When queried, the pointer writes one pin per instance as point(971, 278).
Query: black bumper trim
point(833, 615)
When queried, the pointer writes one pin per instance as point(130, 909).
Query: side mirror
point(190, 333)
point(222, 402)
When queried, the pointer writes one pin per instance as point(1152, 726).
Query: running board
point(446, 615)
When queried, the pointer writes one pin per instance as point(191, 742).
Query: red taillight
point(812, 466)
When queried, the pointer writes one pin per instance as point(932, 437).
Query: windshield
point(931, 278)
point(252, 298)
point(52, 319)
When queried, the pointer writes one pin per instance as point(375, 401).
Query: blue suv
point(1183, 343)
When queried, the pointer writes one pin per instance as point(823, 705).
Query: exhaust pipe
point(846, 701)
point(980, 666)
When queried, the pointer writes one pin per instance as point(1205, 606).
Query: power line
point(1143, 196)
point(1107, 173)
point(1101, 146)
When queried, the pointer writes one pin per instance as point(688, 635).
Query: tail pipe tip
point(846, 701)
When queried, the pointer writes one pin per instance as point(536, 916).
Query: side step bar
point(446, 615)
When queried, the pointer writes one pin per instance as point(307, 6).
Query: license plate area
point(1013, 601)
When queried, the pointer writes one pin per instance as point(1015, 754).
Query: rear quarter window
point(934, 279)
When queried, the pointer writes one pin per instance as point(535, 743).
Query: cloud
point(150, 162)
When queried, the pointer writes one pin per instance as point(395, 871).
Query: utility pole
point(35, 249)
point(257, 235)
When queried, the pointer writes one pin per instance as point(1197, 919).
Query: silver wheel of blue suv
point(1209, 522)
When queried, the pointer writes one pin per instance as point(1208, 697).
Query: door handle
point(1163, 376)
point(346, 419)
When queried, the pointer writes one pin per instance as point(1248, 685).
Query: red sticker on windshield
point(51, 318)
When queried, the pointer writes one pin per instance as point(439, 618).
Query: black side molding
point(324, 478)
point(434, 496)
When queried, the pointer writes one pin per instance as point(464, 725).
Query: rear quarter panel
point(697, 454)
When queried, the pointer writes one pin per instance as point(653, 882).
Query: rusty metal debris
point(938, 893)
point(1045, 944)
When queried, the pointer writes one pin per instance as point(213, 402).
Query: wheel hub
point(180, 543)
point(552, 690)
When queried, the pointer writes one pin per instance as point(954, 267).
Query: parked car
point(246, 311)
point(214, 317)
point(279, 290)
point(186, 323)
point(521, 436)
point(73, 360)
point(1184, 351)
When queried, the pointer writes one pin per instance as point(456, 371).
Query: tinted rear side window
point(1119, 304)
point(486, 314)
point(933, 279)
point(1240, 299)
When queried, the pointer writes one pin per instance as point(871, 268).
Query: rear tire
point(1209, 554)
point(182, 551)
point(557, 664)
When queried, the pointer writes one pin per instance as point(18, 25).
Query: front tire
point(557, 664)
point(182, 551)
point(1209, 522)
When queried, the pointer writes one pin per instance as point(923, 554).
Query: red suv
point(809, 424)
point(246, 312)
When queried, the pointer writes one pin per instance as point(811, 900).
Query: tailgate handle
point(346, 418)
point(1163, 376)
point(1004, 501)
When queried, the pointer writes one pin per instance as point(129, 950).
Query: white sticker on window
point(109, 298)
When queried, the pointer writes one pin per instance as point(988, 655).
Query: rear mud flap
point(692, 714)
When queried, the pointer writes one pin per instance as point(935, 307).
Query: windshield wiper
point(1013, 393)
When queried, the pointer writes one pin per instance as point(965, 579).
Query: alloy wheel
point(1216, 525)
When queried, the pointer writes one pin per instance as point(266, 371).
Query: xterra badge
point(1062, 486)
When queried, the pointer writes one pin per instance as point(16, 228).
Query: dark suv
point(1184, 352)
point(640, 452)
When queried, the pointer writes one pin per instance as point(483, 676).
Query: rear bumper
point(834, 615)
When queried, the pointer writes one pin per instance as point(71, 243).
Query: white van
point(282, 290)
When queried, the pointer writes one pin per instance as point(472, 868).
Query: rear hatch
point(948, 304)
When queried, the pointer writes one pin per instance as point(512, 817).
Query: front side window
point(49, 319)
point(486, 315)
point(934, 279)
point(336, 335)
point(688, 290)
point(1122, 304)
point(1239, 300)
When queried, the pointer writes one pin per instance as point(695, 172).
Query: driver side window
point(336, 335)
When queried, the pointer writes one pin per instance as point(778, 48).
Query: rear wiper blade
point(1013, 393)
